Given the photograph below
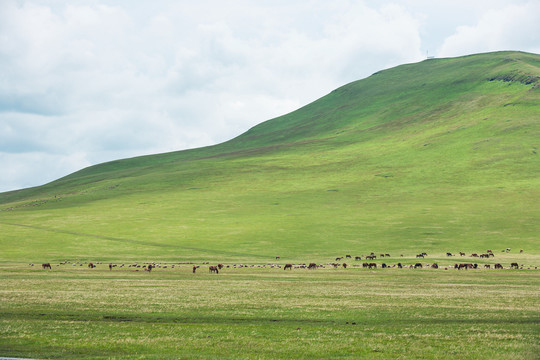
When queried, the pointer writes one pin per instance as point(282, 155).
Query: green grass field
point(438, 156)
point(263, 313)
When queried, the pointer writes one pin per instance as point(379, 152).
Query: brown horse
point(344, 265)
point(46, 266)
point(498, 266)
point(372, 265)
point(312, 266)
point(287, 266)
point(194, 268)
point(91, 265)
point(213, 268)
point(514, 265)
point(417, 265)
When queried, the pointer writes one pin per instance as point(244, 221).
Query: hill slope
point(438, 155)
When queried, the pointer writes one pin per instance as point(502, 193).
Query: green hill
point(438, 156)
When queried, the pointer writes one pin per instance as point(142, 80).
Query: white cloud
point(512, 27)
point(107, 80)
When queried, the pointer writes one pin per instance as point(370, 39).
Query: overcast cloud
point(83, 82)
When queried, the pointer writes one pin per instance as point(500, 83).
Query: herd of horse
point(311, 266)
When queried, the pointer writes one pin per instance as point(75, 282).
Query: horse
point(344, 265)
point(220, 266)
point(213, 268)
point(399, 265)
point(372, 265)
point(365, 265)
point(514, 265)
point(287, 266)
point(91, 265)
point(46, 266)
point(420, 256)
point(449, 254)
point(417, 265)
point(461, 253)
point(110, 267)
point(498, 266)
point(357, 258)
point(435, 266)
point(312, 266)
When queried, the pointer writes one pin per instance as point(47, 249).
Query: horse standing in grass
point(46, 266)
point(213, 268)
point(287, 266)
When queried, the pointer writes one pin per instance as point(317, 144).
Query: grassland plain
point(262, 313)
point(436, 156)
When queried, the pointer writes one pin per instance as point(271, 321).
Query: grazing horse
point(46, 266)
point(348, 256)
point(417, 265)
point(498, 266)
point(372, 265)
point(371, 257)
point(399, 265)
point(514, 265)
point(194, 268)
point(484, 255)
point(461, 253)
point(339, 258)
point(474, 255)
point(435, 266)
point(357, 258)
point(312, 266)
point(220, 266)
point(288, 266)
point(213, 268)
point(449, 254)
point(383, 265)
point(344, 265)
point(110, 267)
point(420, 256)
point(365, 265)
point(487, 266)
point(149, 268)
point(91, 265)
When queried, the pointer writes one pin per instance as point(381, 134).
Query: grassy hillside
point(438, 156)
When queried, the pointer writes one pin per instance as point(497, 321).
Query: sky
point(85, 82)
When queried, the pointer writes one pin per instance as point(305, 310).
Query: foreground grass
point(253, 313)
